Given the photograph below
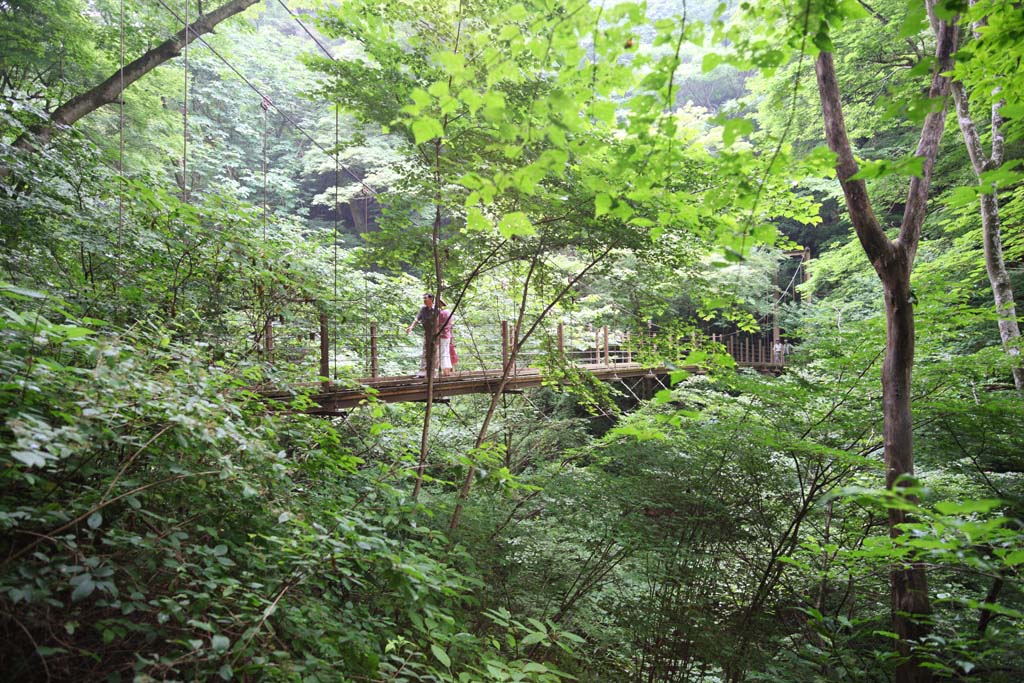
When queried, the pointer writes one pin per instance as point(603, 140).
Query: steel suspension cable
point(308, 32)
point(184, 143)
point(265, 107)
point(271, 102)
point(120, 163)
point(337, 183)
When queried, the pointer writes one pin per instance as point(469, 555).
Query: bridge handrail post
point(629, 347)
point(607, 358)
point(268, 338)
point(325, 363)
point(374, 368)
point(504, 345)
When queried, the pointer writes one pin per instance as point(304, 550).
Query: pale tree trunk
point(893, 261)
point(995, 265)
point(110, 90)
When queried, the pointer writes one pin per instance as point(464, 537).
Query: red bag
point(454, 353)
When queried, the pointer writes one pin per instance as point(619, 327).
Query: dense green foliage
point(648, 168)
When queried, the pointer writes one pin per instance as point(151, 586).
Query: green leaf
point(710, 62)
point(604, 111)
point(441, 655)
point(823, 41)
point(84, 587)
point(1014, 558)
point(968, 506)
point(734, 128)
point(220, 643)
point(30, 458)
point(421, 98)
point(853, 10)
point(73, 332)
point(477, 222)
point(915, 21)
point(534, 637)
point(94, 521)
point(515, 223)
point(426, 129)
point(1012, 111)
point(909, 165)
point(602, 203)
point(963, 196)
point(13, 292)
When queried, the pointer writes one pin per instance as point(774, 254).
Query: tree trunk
point(909, 585)
point(893, 261)
point(995, 265)
point(110, 90)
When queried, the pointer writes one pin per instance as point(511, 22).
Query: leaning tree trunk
point(893, 261)
point(995, 264)
point(110, 90)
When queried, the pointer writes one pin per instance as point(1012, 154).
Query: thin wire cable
point(308, 32)
point(184, 137)
point(330, 56)
point(337, 182)
point(259, 92)
point(120, 164)
point(265, 107)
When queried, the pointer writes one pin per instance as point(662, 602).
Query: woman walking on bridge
point(437, 323)
point(444, 344)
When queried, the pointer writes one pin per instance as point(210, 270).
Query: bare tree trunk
point(893, 261)
point(995, 265)
point(110, 90)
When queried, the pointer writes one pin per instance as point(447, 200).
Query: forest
point(731, 285)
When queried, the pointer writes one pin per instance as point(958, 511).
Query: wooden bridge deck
point(334, 399)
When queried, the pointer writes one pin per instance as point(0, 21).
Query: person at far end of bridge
point(426, 317)
point(444, 342)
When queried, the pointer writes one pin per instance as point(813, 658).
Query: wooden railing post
point(325, 364)
point(268, 338)
point(805, 260)
point(597, 346)
point(373, 350)
point(504, 344)
point(607, 359)
point(629, 348)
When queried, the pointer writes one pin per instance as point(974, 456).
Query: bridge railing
point(384, 351)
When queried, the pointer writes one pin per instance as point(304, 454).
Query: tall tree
point(893, 260)
point(995, 264)
point(110, 89)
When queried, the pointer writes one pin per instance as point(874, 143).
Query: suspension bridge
point(491, 361)
point(379, 365)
